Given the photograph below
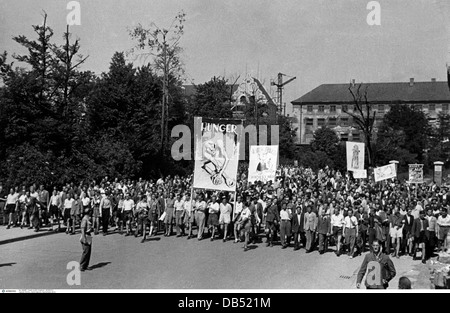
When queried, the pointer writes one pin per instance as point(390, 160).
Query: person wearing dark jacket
point(298, 228)
point(381, 269)
point(272, 220)
point(420, 232)
point(324, 230)
point(407, 242)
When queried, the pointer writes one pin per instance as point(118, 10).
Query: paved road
point(176, 263)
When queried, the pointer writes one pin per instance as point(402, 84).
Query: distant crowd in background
point(324, 211)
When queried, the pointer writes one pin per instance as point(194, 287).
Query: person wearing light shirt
point(238, 207)
point(225, 217)
point(350, 231)
point(179, 216)
point(416, 211)
point(213, 218)
point(54, 209)
point(337, 224)
point(128, 207)
point(200, 208)
point(244, 220)
point(12, 202)
point(444, 227)
point(285, 226)
point(431, 243)
point(189, 215)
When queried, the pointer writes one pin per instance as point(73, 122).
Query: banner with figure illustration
point(355, 156)
point(385, 172)
point(416, 173)
point(263, 163)
point(217, 143)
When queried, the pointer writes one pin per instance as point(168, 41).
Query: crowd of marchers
point(324, 211)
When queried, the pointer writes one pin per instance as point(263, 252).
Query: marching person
point(244, 220)
point(170, 207)
point(350, 231)
point(54, 209)
point(75, 212)
point(189, 216)
point(12, 202)
point(298, 224)
point(86, 240)
point(66, 214)
point(444, 228)
point(311, 222)
point(383, 269)
point(200, 209)
point(238, 207)
point(128, 212)
point(324, 230)
point(142, 218)
point(420, 233)
point(337, 225)
point(272, 219)
point(179, 216)
point(396, 232)
point(105, 212)
point(225, 217)
point(213, 217)
point(285, 226)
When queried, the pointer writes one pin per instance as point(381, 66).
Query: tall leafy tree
point(163, 46)
point(405, 128)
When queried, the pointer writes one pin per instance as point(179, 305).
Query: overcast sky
point(318, 41)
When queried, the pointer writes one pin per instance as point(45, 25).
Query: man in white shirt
point(179, 216)
point(350, 231)
point(337, 224)
point(444, 227)
point(12, 202)
point(238, 207)
point(417, 209)
point(189, 214)
point(55, 206)
point(213, 218)
point(67, 207)
point(200, 208)
point(285, 226)
point(128, 207)
point(225, 217)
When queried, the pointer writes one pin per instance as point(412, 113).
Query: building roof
point(264, 91)
point(419, 92)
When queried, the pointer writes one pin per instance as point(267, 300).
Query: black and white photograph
point(198, 146)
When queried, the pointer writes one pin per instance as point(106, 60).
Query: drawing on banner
point(263, 163)
point(355, 156)
point(416, 173)
point(385, 172)
point(217, 153)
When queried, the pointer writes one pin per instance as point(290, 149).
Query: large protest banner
point(355, 156)
point(385, 172)
point(416, 173)
point(263, 163)
point(217, 143)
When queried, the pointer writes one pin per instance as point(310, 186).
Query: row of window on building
point(356, 136)
point(333, 122)
point(381, 108)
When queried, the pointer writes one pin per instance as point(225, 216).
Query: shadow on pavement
point(153, 239)
point(99, 265)
point(252, 247)
point(7, 264)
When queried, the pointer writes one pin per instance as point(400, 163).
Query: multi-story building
point(325, 105)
